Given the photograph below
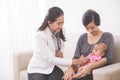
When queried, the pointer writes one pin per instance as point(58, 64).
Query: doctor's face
point(57, 25)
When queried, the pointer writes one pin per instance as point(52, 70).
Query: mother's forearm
point(97, 64)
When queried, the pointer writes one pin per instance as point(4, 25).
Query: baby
point(98, 52)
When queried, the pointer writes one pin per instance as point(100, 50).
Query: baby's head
point(100, 48)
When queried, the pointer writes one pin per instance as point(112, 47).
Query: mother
point(91, 21)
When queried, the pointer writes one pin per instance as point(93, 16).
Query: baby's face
point(98, 50)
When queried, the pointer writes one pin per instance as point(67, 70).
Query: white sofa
point(111, 72)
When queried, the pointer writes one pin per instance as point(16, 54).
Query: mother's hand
point(82, 72)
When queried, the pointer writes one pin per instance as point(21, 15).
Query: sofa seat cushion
point(110, 72)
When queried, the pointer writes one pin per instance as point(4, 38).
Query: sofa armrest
point(110, 72)
point(21, 60)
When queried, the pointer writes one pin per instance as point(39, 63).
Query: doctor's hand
point(83, 60)
point(59, 54)
point(68, 74)
point(80, 61)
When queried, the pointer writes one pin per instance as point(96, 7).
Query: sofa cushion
point(110, 72)
point(117, 49)
point(70, 44)
point(23, 75)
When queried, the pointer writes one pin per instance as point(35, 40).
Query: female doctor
point(48, 51)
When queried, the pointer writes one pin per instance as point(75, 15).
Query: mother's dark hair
point(53, 13)
point(89, 16)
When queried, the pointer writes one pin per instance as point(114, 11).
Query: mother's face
point(57, 24)
point(92, 28)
